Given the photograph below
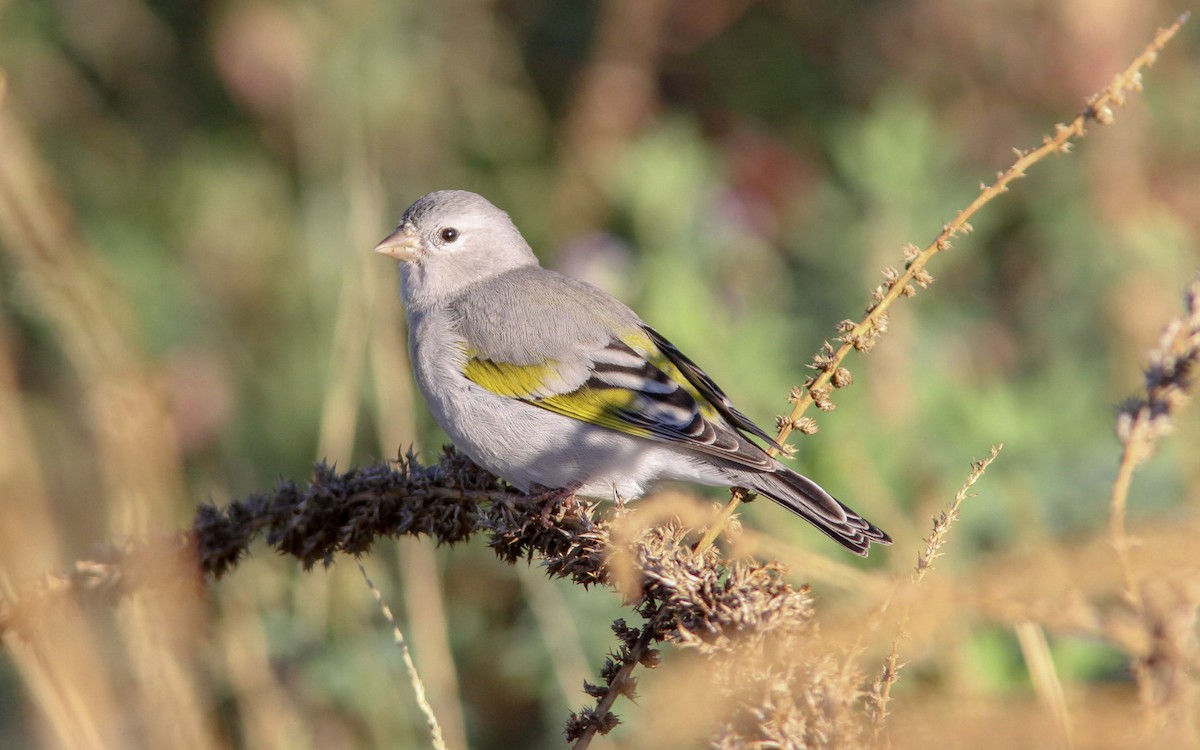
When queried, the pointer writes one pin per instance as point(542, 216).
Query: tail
point(805, 498)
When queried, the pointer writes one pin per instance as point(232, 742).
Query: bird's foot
point(554, 499)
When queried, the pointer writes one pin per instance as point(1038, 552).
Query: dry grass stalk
point(127, 417)
point(942, 524)
point(1157, 630)
point(863, 335)
point(435, 729)
point(1047, 685)
point(881, 690)
point(1143, 421)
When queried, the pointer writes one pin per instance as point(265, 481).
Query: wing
point(580, 353)
point(633, 386)
point(707, 388)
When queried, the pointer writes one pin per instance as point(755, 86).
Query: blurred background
point(189, 310)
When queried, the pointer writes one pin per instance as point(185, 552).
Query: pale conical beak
point(402, 244)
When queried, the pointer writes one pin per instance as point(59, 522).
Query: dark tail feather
point(805, 498)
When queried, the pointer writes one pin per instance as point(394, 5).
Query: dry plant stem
point(862, 335)
point(1157, 626)
point(435, 729)
point(1046, 683)
point(882, 690)
point(125, 408)
point(695, 602)
point(942, 524)
point(1117, 504)
point(1143, 421)
point(621, 683)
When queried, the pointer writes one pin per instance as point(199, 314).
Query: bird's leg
point(551, 499)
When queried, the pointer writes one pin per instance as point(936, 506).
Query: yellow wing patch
point(601, 407)
point(504, 379)
point(596, 406)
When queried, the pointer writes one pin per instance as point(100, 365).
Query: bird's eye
point(449, 234)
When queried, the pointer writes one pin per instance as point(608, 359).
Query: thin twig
point(942, 524)
point(1135, 445)
point(882, 690)
point(622, 683)
point(1143, 421)
point(1169, 379)
point(864, 334)
point(435, 729)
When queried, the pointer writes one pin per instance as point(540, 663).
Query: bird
point(554, 385)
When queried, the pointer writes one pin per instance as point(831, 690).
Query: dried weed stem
point(1036, 650)
point(864, 335)
point(881, 690)
point(1143, 421)
point(336, 512)
point(942, 524)
point(768, 683)
point(435, 729)
point(1157, 630)
point(125, 408)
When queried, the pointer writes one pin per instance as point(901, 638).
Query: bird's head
point(450, 239)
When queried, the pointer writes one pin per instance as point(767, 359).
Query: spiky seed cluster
point(874, 326)
point(346, 511)
point(806, 425)
point(568, 538)
point(615, 676)
point(589, 719)
point(743, 616)
point(752, 626)
point(824, 360)
point(893, 278)
point(1102, 113)
point(803, 425)
point(821, 399)
point(1060, 142)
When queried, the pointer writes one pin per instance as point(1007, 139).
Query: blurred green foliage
point(233, 163)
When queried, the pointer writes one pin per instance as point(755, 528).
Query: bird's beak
point(402, 244)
